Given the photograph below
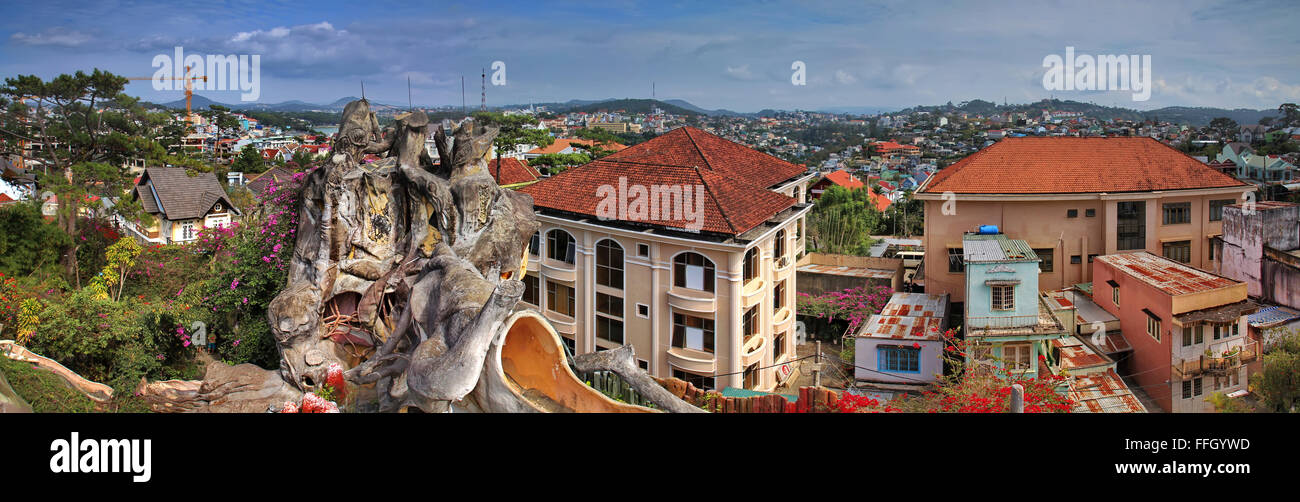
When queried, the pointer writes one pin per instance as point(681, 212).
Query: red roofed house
point(512, 171)
point(1188, 328)
point(683, 247)
point(566, 145)
point(1073, 199)
point(839, 177)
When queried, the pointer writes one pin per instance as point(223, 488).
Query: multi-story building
point(1007, 321)
point(1073, 199)
point(683, 247)
point(1187, 327)
point(1260, 245)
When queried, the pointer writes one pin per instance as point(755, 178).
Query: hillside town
point(1111, 266)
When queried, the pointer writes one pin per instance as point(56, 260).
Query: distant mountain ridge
point(1193, 116)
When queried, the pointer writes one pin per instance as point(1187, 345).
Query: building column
point(735, 325)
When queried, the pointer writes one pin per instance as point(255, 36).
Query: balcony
point(558, 270)
point(1217, 364)
point(694, 361)
point(782, 264)
point(781, 319)
point(692, 300)
point(752, 293)
point(752, 350)
point(562, 323)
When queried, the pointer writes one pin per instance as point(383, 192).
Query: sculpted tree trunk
point(408, 273)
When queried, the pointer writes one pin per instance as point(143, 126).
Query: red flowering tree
point(978, 387)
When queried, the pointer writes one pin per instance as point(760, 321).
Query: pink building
point(1188, 328)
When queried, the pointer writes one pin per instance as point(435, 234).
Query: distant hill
point(857, 110)
point(1193, 116)
point(200, 103)
point(634, 106)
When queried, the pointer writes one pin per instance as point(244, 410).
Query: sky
point(732, 55)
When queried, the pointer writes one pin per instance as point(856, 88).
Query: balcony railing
point(1002, 322)
point(1217, 364)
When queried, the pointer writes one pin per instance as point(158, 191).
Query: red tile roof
point(512, 171)
point(561, 143)
point(879, 200)
point(735, 180)
point(844, 179)
point(1076, 165)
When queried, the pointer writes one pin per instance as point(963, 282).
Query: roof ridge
point(713, 197)
point(687, 131)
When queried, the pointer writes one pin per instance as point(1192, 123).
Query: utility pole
point(817, 366)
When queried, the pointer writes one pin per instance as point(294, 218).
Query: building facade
point(1188, 328)
point(714, 306)
point(1073, 199)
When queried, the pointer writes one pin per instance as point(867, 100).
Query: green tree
point(556, 163)
point(1226, 127)
point(70, 111)
point(842, 222)
point(1290, 115)
point(221, 116)
point(514, 132)
point(27, 242)
point(1278, 383)
point(249, 161)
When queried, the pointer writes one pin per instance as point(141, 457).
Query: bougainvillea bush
point(853, 306)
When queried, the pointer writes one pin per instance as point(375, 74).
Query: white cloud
point(845, 77)
point(55, 36)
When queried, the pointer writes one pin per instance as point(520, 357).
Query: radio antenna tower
point(409, 102)
point(483, 85)
point(462, 95)
point(363, 89)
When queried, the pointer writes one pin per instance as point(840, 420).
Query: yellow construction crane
point(189, 87)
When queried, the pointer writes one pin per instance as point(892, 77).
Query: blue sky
point(734, 55)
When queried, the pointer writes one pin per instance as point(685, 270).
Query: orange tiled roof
point(512, 171)
point(844, 179)
point(735, 180)
point(562, 143)
point(1076, 165)
point(879, 200)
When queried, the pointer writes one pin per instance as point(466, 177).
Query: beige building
point(708, 299)
point(1073, 199)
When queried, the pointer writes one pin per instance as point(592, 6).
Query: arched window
point(778, 249)
point(694, 271)
point(535, 244)
point(609, 264)
point(751, 265)
point(560, 246)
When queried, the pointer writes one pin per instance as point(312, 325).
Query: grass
point(49, 393)
point(45, 391)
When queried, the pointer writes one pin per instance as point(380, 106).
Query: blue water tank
point(988, 230)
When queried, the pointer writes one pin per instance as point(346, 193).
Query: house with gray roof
point(181, 204)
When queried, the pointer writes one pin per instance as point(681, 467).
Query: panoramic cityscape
point(807, 208)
